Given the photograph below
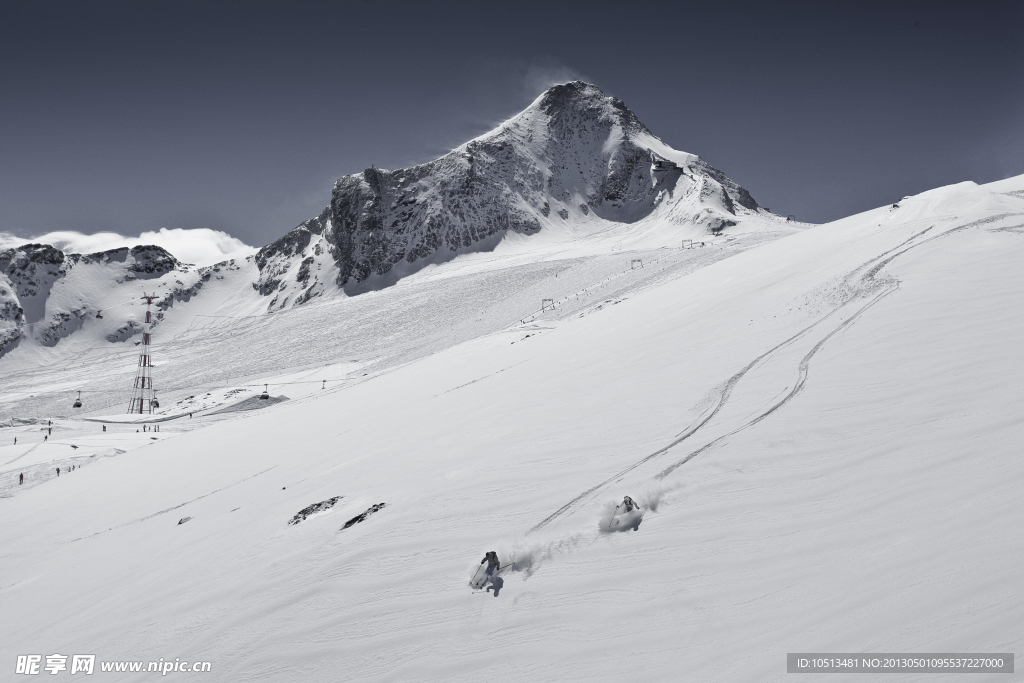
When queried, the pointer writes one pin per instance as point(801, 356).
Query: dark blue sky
point(238, 116)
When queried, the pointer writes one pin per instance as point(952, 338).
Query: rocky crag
point(46, 295)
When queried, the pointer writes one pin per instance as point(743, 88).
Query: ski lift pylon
point(78, 401)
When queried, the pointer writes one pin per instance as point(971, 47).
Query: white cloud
point(200, 246)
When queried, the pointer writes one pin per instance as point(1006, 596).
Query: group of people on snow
point(494, 564)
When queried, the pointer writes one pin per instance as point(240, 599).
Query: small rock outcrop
point(362, 517)
point(313, 509)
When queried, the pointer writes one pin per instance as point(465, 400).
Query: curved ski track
point(864, 275)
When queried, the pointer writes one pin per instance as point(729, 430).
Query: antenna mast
point(143, 399)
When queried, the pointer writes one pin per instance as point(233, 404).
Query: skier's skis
point(479, 588)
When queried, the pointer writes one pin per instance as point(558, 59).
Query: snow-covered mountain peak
point(574, 162)
point(570, 104)
point(561, 110)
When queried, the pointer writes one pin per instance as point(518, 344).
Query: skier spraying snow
point(625, 515)
point(493, 567)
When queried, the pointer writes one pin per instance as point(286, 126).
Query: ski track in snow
point(171, 509)
point(870, 269)
point(28, 452)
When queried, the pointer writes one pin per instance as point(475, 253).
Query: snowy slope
point(824, 428)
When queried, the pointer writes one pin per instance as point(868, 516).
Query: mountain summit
point(575, 161)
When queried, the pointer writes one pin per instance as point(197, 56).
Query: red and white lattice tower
point(142, 392)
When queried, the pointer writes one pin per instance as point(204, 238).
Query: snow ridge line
point(874, 266)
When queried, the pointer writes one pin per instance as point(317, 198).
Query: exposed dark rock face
point(146, 260)
point(126, 331)
point(9, 339)
point(185, 293)
point(153, 260)
point(60, 325)
point(32, 269)
point(12, 316)
point(275, 259)
point(30, 256)
point(313, 509)
point(30, 273)
point(362, 517)
point(119, 255)
point(27, 274)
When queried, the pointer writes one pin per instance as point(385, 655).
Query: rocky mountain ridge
point(33, 276)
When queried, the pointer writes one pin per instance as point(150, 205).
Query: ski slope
point(824, 430)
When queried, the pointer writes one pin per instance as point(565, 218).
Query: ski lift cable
point(217, 386)
point(98, 310)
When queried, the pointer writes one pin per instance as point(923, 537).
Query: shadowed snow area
point(822, 429)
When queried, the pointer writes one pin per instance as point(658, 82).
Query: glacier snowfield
point(823, 424)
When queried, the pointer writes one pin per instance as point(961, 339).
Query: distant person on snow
point(58, 471)
point(491, 558)
point(15, 441)
point(21, 478)
point(104, 427)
